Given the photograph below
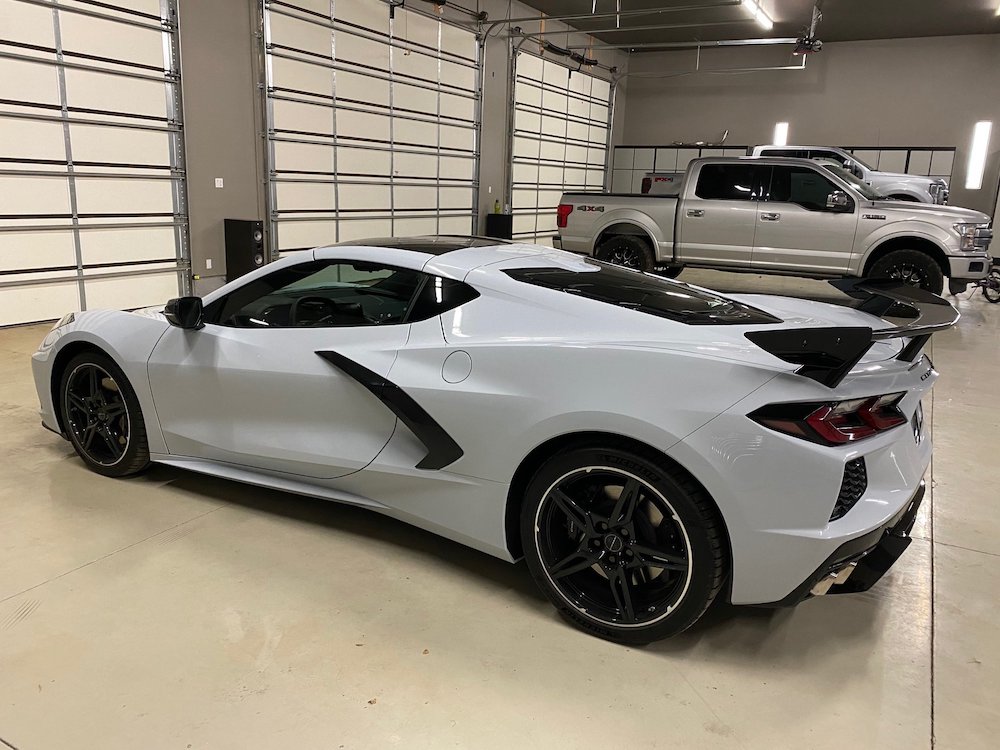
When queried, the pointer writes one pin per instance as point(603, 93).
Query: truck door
point(719, 213)
point(796, 230)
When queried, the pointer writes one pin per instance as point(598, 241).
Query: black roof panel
point(430, 244)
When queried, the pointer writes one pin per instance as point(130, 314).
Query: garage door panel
point(553, 127)
point(526, 148)
point(101, 246)
point(409, 197)
point(301, 117)
point(132, 291)
point(100, 143)
point(304, 156)
point(295, 74)
point(308, 36)
point(357, 229)
point(458, 168)
point(39, 301)
point(457, 75)
point(122, 195)
point(416, 226)
point(115, 93)
point(34, 195)
point(455, 198)
point(527, 94)
point(364, 197)
point(415, 98)
point(525, 172)
point(416, 28)
point(31, 82)
point(362, 88)
point(33, 250)
point(556, 104)
point(525, 198)
point(29, 139)
point(455, 225)
point(458, 138)
point(577, 131)
point(30, 24)
point(458, 106)
point(302, 234)
point(415, 165)
point(363, 161)
point(363, 124)
point(304, 195)
point(113, 40)
point(416, 64)
point(552, 151)
point(555, 75)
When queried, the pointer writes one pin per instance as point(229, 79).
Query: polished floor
point(177, 611)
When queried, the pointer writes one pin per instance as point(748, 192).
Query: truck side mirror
point(185, 312)
point(839, 202)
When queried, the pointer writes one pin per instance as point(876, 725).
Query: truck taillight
point(562, 214)
point(834, 423)
point(647, 184)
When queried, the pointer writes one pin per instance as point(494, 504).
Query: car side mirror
point(185, 312)
point(838, 201)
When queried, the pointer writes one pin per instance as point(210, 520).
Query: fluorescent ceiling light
point(780, 134)
point(758, 14)
point(977, 155)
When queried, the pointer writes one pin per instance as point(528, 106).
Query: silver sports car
point(646, 445)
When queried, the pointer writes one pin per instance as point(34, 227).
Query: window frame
point(756, 182)
point(819, 171)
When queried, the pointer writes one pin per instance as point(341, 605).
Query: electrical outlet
point(218, 182)
point(208, 264)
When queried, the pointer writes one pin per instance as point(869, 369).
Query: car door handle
point(770, 216)
point(696, 212)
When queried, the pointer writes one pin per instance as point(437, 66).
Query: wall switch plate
point(208, 264)
point(218, 182)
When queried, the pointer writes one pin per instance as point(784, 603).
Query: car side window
point(800, 185)
point(320, 294)
point(334, 293)
point(729, 182)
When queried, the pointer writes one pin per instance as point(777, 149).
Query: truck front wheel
point(626, 250)
point(912, 267)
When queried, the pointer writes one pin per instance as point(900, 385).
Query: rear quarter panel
point(594, 213)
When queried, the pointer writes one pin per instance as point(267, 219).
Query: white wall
point(905, 92)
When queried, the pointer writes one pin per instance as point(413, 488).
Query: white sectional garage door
point(560, 140)
point(373, 123)
point(91, 167)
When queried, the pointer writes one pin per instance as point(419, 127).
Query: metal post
point(172, 65)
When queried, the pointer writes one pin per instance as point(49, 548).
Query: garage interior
point(177, 610)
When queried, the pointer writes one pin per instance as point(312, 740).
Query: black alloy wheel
point(101, 416)
point(627, 251)
point(912, 267)
point(614, 554)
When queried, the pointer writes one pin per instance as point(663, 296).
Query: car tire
point(102, 417)
point(913, 267)
point(626, 250)
point(632, 577)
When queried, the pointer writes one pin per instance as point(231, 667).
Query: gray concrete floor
point(178, 611)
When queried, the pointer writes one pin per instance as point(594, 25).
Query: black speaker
point(499, 226)
point(244, 247)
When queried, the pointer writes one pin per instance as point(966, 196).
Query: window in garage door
point(372, 122)
point(92, 201)
point(559, 140)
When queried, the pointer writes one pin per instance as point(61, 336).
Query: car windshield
point(644, 293)
point(860, 185)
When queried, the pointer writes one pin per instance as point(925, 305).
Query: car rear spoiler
point(826, 355)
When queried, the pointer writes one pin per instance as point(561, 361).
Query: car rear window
point(644, 293)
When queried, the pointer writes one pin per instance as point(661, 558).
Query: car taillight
point(647, 184)
point(833, 423)
point(562, 214)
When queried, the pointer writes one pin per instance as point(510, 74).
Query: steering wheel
point(322, 305)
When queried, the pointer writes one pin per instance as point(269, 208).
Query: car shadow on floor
point(741, 632)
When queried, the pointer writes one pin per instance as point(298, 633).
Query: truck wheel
point(625, 250)
point(912, 267)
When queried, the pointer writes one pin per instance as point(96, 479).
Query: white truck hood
point(927, 210)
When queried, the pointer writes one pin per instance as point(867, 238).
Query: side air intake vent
point(852, 488)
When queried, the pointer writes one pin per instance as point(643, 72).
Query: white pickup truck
point(901, 187)
point(779, 215)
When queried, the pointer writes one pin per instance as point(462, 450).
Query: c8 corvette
point(646, 445)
